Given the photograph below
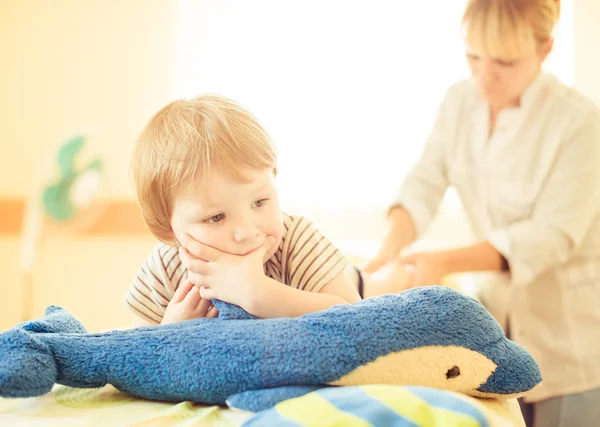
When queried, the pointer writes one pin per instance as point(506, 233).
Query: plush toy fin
point(229, 311)
point(56, 320)
point(260, 400)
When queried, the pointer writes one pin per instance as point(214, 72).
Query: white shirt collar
point(507, 115)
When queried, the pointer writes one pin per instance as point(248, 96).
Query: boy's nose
point(245, 232)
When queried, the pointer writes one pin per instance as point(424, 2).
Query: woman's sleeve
point(567, 205)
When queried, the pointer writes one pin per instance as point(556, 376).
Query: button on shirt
point(532, 189)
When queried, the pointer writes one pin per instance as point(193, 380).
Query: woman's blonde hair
point(183, 141)
point(508, 29)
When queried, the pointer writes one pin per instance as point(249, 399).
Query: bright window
point(348, 89)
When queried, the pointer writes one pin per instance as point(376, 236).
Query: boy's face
point(229, 215)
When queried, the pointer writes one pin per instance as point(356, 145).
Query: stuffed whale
point(430, 336)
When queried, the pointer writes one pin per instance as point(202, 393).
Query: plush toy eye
point(453, 372)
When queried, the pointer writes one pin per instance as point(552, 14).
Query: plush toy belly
point(422, 367)
point(427, 336)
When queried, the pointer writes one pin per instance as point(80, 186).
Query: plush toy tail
point(27, 365)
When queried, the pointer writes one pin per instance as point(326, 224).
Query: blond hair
point(508, 29)
point(183, 141)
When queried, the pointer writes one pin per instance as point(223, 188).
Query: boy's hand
point(188, 304)
point(223, 276)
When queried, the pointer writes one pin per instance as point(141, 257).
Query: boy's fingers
point(268, 244)
point(207, 293)
point(182, 291)
point(193, 297)
point(212, 313)
point(198, 249)
point(197, 279)
point(207, 309)
point(203, 305)
point(192, 263)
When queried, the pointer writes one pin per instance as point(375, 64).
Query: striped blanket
point(381, 405)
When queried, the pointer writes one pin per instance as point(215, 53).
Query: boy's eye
point(472, 57)
point(258, 203)
point(505, 63)
point(215, 218)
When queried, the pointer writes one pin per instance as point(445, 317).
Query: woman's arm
point(401, 233)
point(431, 267)
point(565, 208)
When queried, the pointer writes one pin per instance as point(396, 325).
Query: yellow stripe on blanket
point(374, 405)
point(417, 410)
point(314, 409)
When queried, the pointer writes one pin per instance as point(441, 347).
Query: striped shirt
point(305, 260)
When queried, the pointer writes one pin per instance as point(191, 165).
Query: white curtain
point(348, 89)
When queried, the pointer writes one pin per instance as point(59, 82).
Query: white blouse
point(532, 189)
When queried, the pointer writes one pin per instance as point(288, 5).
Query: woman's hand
point(389, 252)
point(384, 256)
point(401, 233)
point(429, 268)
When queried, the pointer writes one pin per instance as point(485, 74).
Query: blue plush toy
point(433, 336)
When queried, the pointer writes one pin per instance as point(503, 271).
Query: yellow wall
point(89, 277)
point(68, 66)
point(10, 303)
point(71, 65)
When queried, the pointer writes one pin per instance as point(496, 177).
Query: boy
point(204, 171)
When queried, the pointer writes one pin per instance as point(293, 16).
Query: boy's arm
point(138, 322)
point(274, 299)
point(154, 285)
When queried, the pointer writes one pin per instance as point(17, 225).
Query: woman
point(523, 152)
